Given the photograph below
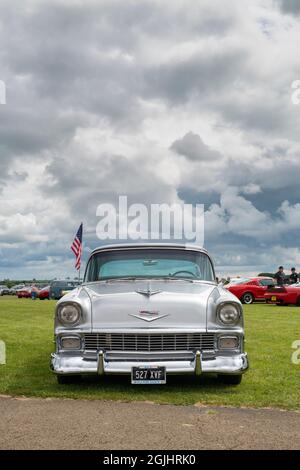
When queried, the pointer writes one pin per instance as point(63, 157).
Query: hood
point(143, 304)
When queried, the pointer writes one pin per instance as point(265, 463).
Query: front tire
point(68, 379)
point(247, 298)
point(230, 379)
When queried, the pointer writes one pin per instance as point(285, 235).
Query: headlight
point(229, 313)
point(69, 314)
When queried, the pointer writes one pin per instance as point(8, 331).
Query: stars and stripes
point(76, 247)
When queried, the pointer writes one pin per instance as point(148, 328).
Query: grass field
point(26, 326)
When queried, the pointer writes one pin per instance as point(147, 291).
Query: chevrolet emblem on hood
point(148, 315)
point(149, 291)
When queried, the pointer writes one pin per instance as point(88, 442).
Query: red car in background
point(285, 295)
point(24, 292)
point(250, 289)
point(44, 293)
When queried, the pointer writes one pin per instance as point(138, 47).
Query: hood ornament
point(148, 292)
point(148, 315)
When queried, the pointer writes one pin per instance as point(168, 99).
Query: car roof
point(129, 246)
point(249, 279)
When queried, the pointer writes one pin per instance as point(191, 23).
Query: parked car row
point(4, 290)
point(55, 290)
point(27, 291)
point(249, 290)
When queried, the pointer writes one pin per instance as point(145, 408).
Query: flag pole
point(81, 251)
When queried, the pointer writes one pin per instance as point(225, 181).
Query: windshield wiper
point(174, 278)
point(138, 278)
point(125, 278)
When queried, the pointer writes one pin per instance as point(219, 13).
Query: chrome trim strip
point(66, 364)
point(229, 337)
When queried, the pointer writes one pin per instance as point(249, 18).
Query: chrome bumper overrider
point(192, 363)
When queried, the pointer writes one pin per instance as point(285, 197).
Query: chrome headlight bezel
point(226, 338)
point(77, 310)
point(229, 322)
point(65, 338)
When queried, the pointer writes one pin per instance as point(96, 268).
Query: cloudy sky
point(166, 102)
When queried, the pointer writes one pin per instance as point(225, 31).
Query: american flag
point(77, 247)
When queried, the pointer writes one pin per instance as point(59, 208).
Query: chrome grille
point(149, 342)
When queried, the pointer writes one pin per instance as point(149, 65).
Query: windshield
point(150, 263)
point(266, 282)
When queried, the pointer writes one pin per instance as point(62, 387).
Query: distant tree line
point(13, 282)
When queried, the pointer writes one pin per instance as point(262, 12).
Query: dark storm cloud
point(271, 174)
point(272, 198)
point(104, 181)
point(290, 6)
point(270, 116)
point(193, 148)
point(202, 74)
point(61, 72)
point(30, 130)
point(192, 196)
point(78, 55)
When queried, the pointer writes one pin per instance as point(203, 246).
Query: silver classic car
point(149, 310)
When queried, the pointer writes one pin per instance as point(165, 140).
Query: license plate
point(273, 298)
point(148, 375)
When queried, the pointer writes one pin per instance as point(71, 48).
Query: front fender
point(218, 296)
point(80, 297)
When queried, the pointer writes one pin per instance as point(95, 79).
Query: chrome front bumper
point(181, 363)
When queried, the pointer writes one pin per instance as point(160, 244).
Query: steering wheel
point(183, 271)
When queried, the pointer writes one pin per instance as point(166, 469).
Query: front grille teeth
point(149, 342)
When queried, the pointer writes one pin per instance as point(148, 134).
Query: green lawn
point(27, 328)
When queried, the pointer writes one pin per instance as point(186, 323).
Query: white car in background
point(4, 290)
